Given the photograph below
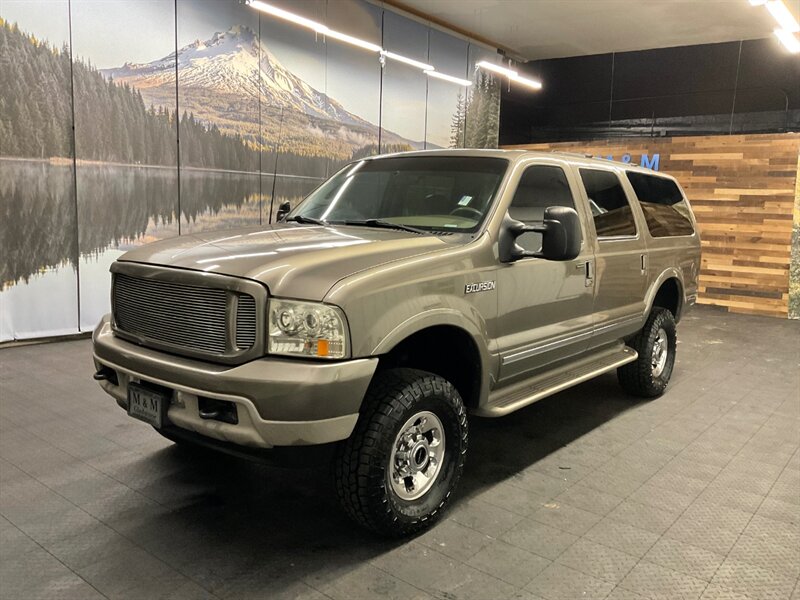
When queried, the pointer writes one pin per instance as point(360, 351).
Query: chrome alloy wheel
point(417, 456)
point(658, 360)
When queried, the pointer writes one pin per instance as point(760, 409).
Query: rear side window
point(610, 208)
point(663, 205)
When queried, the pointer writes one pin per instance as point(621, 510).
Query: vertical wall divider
point(380, 91)
point(735, 86)
point(177, 121)
point(611, 92)
point(260, 134)
point(427, 85)
point(74, 167)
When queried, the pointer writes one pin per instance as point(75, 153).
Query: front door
point(545, 307)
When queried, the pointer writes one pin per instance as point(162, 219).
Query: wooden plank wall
point(742, 191)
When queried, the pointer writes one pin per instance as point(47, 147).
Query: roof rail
point(581, 154)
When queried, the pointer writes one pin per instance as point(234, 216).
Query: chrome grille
point(245, 322)
point(183, 317)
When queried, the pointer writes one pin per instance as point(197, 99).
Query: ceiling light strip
point(783, 16)
point(484, 64)
point(510, 73)
point(788, 39)
point(354, 41)
point(287, 16)
point(532, 83)
point(450, 78)
point(408, 61)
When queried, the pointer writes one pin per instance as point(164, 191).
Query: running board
point(513, 397)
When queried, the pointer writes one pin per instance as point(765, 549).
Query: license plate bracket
point(148, 404)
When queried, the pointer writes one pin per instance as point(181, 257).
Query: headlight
point(306, 329)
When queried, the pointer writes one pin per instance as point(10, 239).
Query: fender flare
point(439, 317)
point(668, 273)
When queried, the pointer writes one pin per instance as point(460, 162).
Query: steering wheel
point(467, 209)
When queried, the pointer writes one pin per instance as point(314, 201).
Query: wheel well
point(669, 296)
point(445, 350)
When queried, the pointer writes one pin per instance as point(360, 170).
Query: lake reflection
point(119, 207)
point(44, 256)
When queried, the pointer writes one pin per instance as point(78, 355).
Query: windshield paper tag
point(481, 286)
point(465, 200)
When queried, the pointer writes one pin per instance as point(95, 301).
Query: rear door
point(620, 277)
point(545, 307)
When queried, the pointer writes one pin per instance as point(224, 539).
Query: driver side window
point(539, 187)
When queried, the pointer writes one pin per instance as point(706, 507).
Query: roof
point(516, 155)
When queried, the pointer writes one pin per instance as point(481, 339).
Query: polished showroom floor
point(588, 494)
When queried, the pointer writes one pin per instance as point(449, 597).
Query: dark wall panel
point(736, 87)
point(670, 72)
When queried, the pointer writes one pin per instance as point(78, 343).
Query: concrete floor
point(588, 494)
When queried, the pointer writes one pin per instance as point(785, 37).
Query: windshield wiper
point(306, 220)
point(385, 225)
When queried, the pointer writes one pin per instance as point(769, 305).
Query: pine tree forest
point(112, 122)
point(475, 122)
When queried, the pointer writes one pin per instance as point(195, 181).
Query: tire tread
point(358, 480)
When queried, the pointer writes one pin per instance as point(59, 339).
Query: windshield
point(434, 193)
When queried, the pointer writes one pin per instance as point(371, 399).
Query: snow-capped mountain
point(220, 80)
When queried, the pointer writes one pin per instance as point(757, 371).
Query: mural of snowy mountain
point(221, 80)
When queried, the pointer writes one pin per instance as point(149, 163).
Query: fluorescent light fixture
point(450, 78)
point(349, 39)
point(287, 16)
point(783, 16)
point(318, 27)
point(789, 40)
point(537, 85)
point(496, 68)
point(510, 73)
point(408, 61)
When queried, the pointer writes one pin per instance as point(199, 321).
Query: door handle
point(588, 271)
point(643, 263)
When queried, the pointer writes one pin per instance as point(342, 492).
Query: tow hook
point(106, 374)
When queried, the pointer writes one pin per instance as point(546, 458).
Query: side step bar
point(508, 399)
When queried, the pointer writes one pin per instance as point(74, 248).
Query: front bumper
point(279, 402)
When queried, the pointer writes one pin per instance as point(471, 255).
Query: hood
point(292, 260)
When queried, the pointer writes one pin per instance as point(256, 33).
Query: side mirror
point(561, 236)
point(283, 210)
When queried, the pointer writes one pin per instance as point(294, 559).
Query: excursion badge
point(481, 286)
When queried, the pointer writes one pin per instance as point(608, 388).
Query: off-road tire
point(361, 463)
point(637, 377)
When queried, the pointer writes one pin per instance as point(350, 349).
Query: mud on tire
point(361, 465)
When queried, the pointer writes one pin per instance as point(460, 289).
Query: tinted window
point(610, 208)
point(664, 207)
point(539, 187)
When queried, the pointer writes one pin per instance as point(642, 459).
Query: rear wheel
point(656, 343)
point(397, 471)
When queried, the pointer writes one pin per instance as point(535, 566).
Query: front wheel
point(656, 343)
point(398, 469)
